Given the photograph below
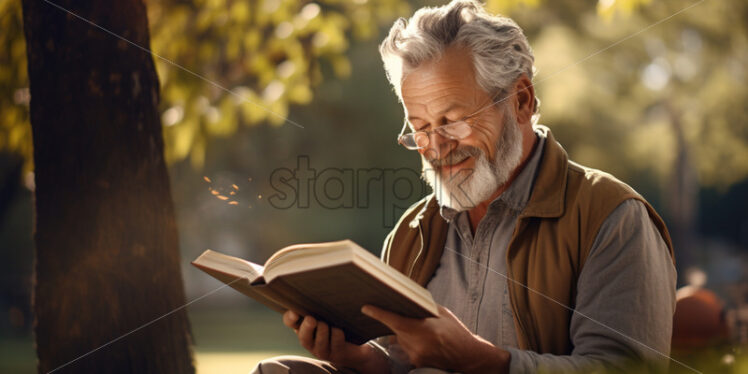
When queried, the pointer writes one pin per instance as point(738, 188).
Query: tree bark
point(106, 249)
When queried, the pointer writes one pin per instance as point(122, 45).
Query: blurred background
point(651, 91)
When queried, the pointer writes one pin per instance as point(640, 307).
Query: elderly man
point(538, 263)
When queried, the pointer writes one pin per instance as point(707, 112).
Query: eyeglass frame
point(462, 120)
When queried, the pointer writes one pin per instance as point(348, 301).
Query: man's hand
point(442, 342)
point(329, 344)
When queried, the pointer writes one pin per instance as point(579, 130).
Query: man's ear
point(524, 102)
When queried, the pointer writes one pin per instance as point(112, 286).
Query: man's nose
point(438, 146)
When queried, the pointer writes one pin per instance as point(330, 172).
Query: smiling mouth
point(455, 158)
point(457, 162)
point(452, 163)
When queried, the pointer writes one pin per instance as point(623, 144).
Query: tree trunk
point(106, 250)
point(682, 200)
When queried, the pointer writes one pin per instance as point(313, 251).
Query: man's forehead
point(454, 68)
point(441, 85)
point(439, 94)
point(436, 106)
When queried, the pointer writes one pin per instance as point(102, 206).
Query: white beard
point(469, 187)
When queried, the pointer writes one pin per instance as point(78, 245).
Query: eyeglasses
point(455, 130)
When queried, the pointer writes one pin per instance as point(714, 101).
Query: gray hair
point(499, 49)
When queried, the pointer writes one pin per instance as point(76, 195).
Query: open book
point(330, 281)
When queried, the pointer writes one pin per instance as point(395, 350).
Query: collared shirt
point(627, 255)
point(470, 278)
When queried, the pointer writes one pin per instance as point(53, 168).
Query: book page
point(231, 265)
point(243, 285)
point(302, 257)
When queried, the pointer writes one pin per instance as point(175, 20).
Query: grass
point(17, 355)
point(233, 340)
point(227, 340)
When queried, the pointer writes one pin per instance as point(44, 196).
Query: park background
point(651, 91)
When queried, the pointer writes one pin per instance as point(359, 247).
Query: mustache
point(456, 156)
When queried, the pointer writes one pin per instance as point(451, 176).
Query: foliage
point(15, 129)
point(228, 63)
point(634, 89)
point(221, 63)
point(257, 58)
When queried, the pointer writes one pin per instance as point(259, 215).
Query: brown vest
point(547, 250)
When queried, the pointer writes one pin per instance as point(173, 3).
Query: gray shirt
point(626, 290)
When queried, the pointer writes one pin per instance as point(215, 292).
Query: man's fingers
point(391, 320)
point(306, 332)
point(337, 340)
point(291, 319)
point(322, 341)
